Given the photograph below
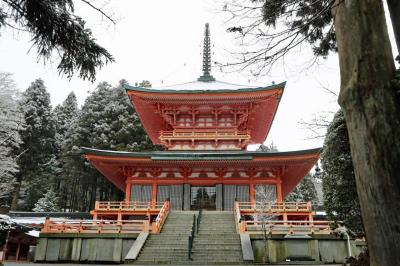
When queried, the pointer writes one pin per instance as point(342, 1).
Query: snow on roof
point(207, 86)
point(33, 233)
point(34, 220)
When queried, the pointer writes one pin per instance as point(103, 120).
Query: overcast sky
point(160, 41)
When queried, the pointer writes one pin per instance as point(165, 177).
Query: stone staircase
point(171, 245)
point(217, 241)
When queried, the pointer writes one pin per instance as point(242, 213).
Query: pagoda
point(205, 126)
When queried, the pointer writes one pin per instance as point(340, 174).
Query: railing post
point(242, 227)
point(97, 205)
point(46, 225)
point(146, 226)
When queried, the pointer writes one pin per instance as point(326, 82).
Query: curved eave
point(297, 163)
point(241, 90)
point(197, 155)
point(267, 99)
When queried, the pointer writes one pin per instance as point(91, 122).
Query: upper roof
point(205, 87)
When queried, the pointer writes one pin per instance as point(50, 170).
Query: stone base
point(324, 250)
point(83, 248)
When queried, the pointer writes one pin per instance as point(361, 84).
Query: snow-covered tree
point(48, 203)
point(305, 191)
point(6, 225)
point(270, 148)
point(106, 121)
point(338, 179)
point(65, 115)
point(11, 121)
point(37, 163)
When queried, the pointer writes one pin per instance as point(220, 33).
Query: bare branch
point(89, 3)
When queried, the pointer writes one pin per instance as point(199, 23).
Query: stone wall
point(328, 250)
point(84, 248)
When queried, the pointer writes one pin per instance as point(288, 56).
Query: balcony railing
point(274, 207)
point(113, 226)
point(273, 218)
point(203, 134)
point(95, 226)
point(126, 206)
point(273, 227)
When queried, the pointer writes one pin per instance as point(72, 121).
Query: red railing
point(204, 134)
point(95, 226)
point(161, 217)
point(113, 226)
point(269, 212)
point(286, 227)
point(275, 207)
point(126, 206)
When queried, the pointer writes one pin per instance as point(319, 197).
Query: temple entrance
point(203, 198)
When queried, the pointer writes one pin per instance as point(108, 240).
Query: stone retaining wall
point(328, 250)
point(84, 248)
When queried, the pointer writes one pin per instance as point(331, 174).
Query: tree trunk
point(394, 10)
point(373, 120)
point(17, 189)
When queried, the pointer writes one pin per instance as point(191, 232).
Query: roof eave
point(150, 90)
point(196, 155)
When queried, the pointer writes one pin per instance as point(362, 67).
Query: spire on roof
point(206, 77)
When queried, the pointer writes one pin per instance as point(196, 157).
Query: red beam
point(202, 181)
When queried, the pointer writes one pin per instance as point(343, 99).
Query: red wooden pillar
point(252, 192)
point(279, 196)
point(18, 250)
point(128, 189)
point(154, 194)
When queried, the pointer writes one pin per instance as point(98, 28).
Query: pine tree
point(106, 121)
point(338, 180)
point(65, 115)
point(305, 191)
point(48, 203)
point(11, 122)
point(270, 148)
point(56, 30)
point(37, 163)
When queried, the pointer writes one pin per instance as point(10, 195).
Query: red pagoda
point(205, 126)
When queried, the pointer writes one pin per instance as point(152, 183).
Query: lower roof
point(112, 163)
point(197, 155)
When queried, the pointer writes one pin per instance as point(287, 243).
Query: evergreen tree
point(55, 29)
point(37, 162)
point(65, 115)
point(11, 122)
point(338, 179)
point(369, 90)
point(106, 121)
point(305, 191)
point(270, 148)
point(48, 203)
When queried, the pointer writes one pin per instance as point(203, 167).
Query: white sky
point(159, 41)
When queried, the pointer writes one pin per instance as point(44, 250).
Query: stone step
point(195, 255)
point(218, 235)
point(200, 243)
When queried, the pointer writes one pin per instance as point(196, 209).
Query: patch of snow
point(204, 86)
point(33, 233)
